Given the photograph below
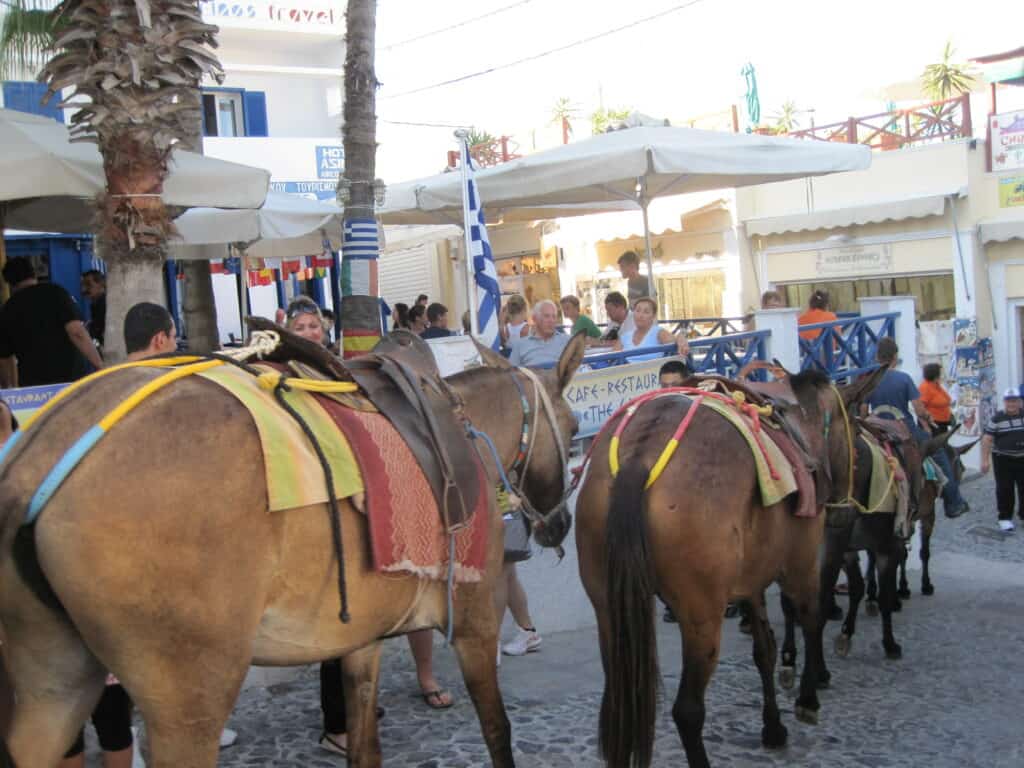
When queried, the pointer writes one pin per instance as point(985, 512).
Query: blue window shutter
point(28, 97)
point(255, 104)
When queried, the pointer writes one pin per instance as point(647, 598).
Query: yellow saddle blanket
point(295, 477)
point(774, 474)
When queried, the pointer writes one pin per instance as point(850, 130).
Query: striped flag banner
point(360, 248)
point(485, 275)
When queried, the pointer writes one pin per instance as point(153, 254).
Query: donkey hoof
point(843, 645)
point(787, 677)
point(927, 589)
point(871, 608)
point(824, 680)
point(893, 650)
point(903, 593)
point(774, 736)
point(897, 605)
point(806, 715)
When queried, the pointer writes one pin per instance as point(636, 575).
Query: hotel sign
point(854, 261)
point(1007, 141)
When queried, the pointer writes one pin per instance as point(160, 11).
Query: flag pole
point(467, 235)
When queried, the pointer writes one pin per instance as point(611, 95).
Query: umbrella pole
point(647, 247)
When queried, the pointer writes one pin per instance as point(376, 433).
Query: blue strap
point(60, 472)
point(9, 445)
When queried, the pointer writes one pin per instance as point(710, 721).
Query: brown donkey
point(157, 560)
point(698, 537)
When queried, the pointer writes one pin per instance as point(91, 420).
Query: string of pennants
point(266, 271)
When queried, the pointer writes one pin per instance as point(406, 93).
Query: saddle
point(401, 380)
point(785, 431)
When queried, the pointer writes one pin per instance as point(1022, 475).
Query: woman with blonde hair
point(513, 320)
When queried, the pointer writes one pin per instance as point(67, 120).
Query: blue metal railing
point(703, 326)
point(845, 348)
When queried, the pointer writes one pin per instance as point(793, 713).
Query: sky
point(683, 64)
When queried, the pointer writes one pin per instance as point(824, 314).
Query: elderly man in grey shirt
point(544, 345)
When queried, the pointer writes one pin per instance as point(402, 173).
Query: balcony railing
point(488, 153)
point(927, 123)
point(703, 326)
point(846, 348)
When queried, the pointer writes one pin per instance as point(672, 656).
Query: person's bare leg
point(517, 601)
point(122, 758)
point(421, 643)
point(78, 761)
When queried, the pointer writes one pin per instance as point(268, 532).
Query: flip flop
point(330, 745)
point(434, 700)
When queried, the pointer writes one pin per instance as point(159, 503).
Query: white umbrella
point(634, 166)
point(48, 184)
point(285, 226)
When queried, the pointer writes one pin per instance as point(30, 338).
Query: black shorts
point(112, 720)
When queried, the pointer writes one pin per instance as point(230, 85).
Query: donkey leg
point(700, 657)
point(927, 526)
point(871, 606)
point(57, 682)
point(887, 564)
point(359, 673)
point(474, 649)
point(855, 580)
point(903, 593)
point(787, 674)
point(774, 733)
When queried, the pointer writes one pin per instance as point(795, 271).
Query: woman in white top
point(646, 333)
point(512, 321)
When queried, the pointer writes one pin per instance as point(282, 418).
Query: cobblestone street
point(953, 700)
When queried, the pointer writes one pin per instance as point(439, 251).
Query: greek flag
point(488, 292)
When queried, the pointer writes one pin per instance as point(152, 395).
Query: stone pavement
point(954, 700)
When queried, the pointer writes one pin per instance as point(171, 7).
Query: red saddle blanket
point(406, 530)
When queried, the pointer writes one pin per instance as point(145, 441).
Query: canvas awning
point(894, 210)
point(1001, 231)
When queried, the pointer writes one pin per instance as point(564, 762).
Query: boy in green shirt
point(580, 322)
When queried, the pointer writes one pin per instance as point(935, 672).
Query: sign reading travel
point(330, 162)
point(1007, 141)
point(299, 15)
point(314, 190)
point(1011, 192)
point(854, 260)
point(595, 395)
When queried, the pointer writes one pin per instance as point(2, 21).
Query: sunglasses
point(302, 309)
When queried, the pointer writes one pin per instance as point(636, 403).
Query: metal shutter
point(406, 273)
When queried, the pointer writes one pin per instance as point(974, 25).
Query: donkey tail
point(632, 678)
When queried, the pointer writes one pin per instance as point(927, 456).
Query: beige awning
point(895, 210)
point(996, 231)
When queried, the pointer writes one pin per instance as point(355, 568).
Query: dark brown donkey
point(698, 537)
point(157, 560)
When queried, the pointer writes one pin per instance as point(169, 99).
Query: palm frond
point(26, 38)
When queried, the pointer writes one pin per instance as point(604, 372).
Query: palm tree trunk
point(132, 276)
point(360, 314)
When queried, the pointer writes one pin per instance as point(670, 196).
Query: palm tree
point(563, 114)
point(134, 68)
point(601, 118)
point(947, 78)
point(359, 135)
point(786, 118)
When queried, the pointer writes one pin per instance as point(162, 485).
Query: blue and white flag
point(488, 291)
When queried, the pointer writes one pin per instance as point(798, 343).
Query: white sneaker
point(227, 738)
point(523, 643)
point(1006, 526)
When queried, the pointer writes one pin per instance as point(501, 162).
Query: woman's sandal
point(329, 744)
point(434, 699)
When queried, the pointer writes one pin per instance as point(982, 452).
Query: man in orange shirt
point(817, 312)
point(935, 398)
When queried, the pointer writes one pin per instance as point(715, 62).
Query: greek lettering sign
point(854, 260)
point(595, 395)
point(314, 190)
point(330, 162)
point(25, 401)
point(1011, 191)
point(1007, 141)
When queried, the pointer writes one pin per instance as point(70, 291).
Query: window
point(28, 97)
point(231, 113)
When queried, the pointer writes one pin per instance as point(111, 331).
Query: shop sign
point(1007, 141)
point(314, 190)
point(854, 260)
point(1011, 192)
point(330, 162)
point(25, 401)
point(595, 395)
point(299, 15)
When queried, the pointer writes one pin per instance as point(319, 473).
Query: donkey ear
point(570, 360)
point(962, 449)
point(935, 444)
point(489, 357)
point(862, 387)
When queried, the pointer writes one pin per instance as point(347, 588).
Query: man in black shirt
point(639, 285)
point(437, 316)
point(1002, 448)
point(94, 288)
point(42, 338)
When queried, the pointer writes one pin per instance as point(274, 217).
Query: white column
point(906, 326)
point(784, 342)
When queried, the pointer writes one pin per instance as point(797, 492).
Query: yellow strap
point(613, 455)
point(849, 440)
point(740, 398)
point(74, 386)
point(133, 400)
point(270, 379)
point(661, 463)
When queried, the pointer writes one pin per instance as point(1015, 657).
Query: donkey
point(698, 537)
point(157, 560)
